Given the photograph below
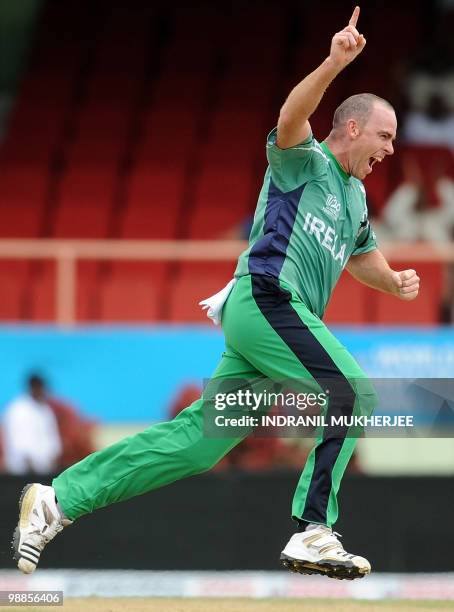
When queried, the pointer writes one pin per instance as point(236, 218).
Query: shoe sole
point(331, 570)
point(26, 501)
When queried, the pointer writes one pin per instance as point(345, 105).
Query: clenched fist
point(405, 284)
point(348, 43)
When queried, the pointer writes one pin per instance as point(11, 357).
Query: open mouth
point(372, 161)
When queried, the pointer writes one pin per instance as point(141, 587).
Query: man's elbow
point(291, 132)
point(283, 129)
point(284, 118)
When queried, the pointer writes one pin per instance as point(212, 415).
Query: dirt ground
point(240, 605)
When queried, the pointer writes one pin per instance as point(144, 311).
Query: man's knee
point(366, 396)
point(207, 461)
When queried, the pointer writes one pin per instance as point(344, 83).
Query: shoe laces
point(332, 533)
point(333, 543)
point(41, 531)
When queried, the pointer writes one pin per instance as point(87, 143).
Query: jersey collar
point(346, 177)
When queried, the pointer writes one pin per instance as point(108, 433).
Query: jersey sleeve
point(366, 240)
point(292, 167)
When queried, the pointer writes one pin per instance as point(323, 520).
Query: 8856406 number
point(30, 598)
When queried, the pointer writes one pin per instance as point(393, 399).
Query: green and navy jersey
point(311, 216)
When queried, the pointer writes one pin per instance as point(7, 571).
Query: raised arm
point(293, 125)
point(373, 270)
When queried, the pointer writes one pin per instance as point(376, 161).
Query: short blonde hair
point(357, 107)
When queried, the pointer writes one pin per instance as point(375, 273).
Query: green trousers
point(269, 332)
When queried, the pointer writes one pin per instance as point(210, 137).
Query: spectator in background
point(425, 83)
point(76, 432)
point(42, 434)
point(431, 125)
point(31, 439)
point(431, 71)
point(422, 206)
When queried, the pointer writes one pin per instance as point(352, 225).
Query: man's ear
point(352, 129)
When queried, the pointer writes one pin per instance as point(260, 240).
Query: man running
point(310, 223)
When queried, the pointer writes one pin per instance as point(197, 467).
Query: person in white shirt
point(433, 124)
point(31, 438)
point(410, 213)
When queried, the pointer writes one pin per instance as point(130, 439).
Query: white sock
point(60, 509)
point(313, 526)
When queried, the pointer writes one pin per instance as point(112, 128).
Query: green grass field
point(243, 605)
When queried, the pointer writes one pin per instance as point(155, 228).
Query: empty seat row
point(162, 291)
point(157, 196)
point(84, 202)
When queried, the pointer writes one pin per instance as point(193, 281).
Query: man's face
point(37, 391)
point(371, 142)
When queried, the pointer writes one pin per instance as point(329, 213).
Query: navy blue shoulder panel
point(268, 254)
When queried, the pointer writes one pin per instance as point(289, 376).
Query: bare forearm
point(302, 102)
point(293, 125)
point(373, 270)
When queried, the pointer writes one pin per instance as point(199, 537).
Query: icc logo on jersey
point(332, 206)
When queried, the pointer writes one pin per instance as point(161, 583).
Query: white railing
point(66, 253)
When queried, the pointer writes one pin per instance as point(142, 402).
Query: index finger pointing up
point(354, 17)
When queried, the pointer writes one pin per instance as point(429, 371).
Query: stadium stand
point(150, 123)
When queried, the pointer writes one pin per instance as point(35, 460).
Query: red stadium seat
point(86, 201)
point(228, 123)
point(223, 199)
point(98, 120)
point(14, 276)
point(347, 304)
point(247, 92)
point(409, 20)
point(424, 310)
point(23, 191)
point(122, 51)
point(128, 299)
point(12, 294)
point(114, 90)
point(34, 92)
point(97, 151)
point(154, 273)
point(186, 52)
point(168, 137)
point(42, 294)
point(144, 285)
point(42, 291)
point(154, 202)
point(169, 88)
point(195, 282)
point(34, 132)
point(15, 268)
point(41, 286)
point(157, 186)
point(89, 275)
point(149, 222)
point(102, 136)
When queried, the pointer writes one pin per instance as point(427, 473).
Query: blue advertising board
point(127, 374)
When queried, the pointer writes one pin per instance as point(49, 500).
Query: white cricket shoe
point(39, 522)
point(318, 551)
